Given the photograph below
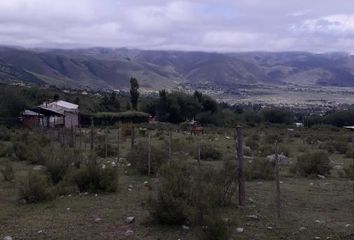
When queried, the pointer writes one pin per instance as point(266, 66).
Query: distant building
point(52, 115)
point(31, 119)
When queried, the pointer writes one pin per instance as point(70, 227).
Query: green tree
point(134, 93)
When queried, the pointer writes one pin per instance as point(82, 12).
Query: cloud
point(208, 25)
point(333, 24)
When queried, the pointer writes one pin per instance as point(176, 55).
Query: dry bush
point(138, 157)
point(35, 187)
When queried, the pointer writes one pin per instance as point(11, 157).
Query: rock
point(129, 232)
point(259, 183)
point(321, 176)
point(129, 164)
point(130, 219)
point(40, 231)
point(270, 228)
point(96, 195)
point(146, 183)
point(281, 182)
point(317, 237)
point(318, 221)
point(98, 219)
point(85, 193)
point(103, 166)
point(38, 168)
point(302, 229)
point(347, 225)
point(129, 189)
point(251, 200)
point(253, 217)
point(227, 137)
point(69, 195)
point(311, 184)
point(338, 167)
point(239, 230)
point(68, 209)
point(7, 238)
point(186, 228)
point(130, 186)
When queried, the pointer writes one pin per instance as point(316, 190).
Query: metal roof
point(30, 113)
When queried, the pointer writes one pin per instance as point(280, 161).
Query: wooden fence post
point(105, 142)
point(241, 175)
point(170, 145)
point(149, 154)
point(277, 182)
point(91, 135)
point(353, 187)
point(118, 146)
point(132, 136)
point(198, 148)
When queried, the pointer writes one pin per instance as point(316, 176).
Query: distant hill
point(112, 68)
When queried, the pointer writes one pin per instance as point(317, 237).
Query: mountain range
point(110, 68)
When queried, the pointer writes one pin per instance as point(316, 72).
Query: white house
point(60, 114)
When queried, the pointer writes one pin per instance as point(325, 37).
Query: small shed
point(31, 119)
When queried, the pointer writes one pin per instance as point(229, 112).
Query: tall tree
point(134, 93)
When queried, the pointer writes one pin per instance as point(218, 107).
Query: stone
point(98, 219)
point(130, 186)
point(253, 217)
point(68, 209)
point(130, 219)
point(311, 184)
point(186, 228)
point(321, 176)
point(129, 232)
point(317, 237)
point(302, 229)
point(129, 189)
point(129, 164)
point(96, 195)
point(40, 231)
point(270, 228)
point(146, 183)
point(7, 238)
point(38, 168)
point(318, 221)
point(347, 225)
point(251, 200)
point(239, 230)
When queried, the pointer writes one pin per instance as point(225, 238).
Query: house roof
point(30, 113)
point(64, 104)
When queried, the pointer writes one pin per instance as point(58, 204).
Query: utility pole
point(241, 174)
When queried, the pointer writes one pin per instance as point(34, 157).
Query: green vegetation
point(92, 192)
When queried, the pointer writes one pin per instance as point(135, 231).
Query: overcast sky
point(208, 25)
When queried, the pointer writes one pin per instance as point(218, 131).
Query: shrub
point(171, 205)
point(8, 172)
point(35, 187)
point(348, 171)
point(96, 178)
point(101, 150)
point(214, 228)
point(193, 195)
point(138, 157)
point(6, 149)
point(312, 164)
point(57, 164)
point(209, 153)
point(260, 168)
point(20, 150)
